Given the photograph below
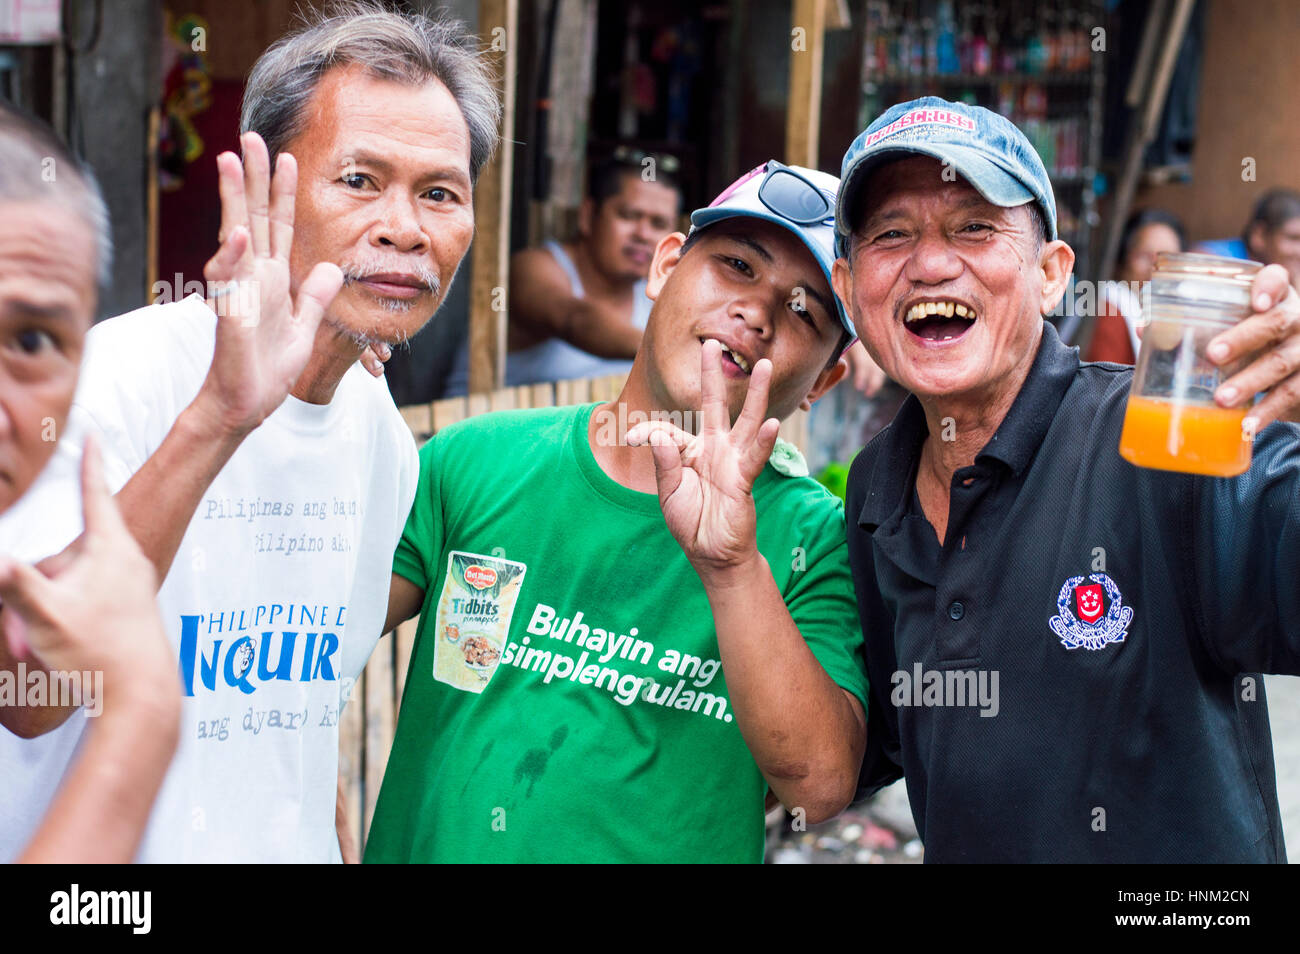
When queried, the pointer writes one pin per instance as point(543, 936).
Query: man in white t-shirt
point(265, 473)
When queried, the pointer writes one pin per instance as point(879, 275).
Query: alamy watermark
point(946, 688)
point(612, 425)
point(84, 689)
point(233, 298)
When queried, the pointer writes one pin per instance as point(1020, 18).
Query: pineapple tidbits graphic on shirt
point(478, 599)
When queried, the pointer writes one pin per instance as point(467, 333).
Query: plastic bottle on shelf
point(982, 41)
point(1035, 55)
point(964, 37)
point(946, 39)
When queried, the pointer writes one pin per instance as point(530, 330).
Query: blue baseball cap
point(793, 197)
point(986, 149)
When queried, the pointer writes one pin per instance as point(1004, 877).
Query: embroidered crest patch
point(1102, 618)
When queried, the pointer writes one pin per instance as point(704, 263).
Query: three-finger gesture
point(705, 479)
point(264, 336)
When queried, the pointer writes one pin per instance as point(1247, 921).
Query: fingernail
point(1262, 302)
point(1217, 351)
point(1227, 394)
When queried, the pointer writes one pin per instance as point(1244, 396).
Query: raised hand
point(92, 606)
point(705, 480)
point(264, 336)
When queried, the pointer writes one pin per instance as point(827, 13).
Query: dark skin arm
point(542, 305)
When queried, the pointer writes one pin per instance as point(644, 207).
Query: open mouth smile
point(734, 364)
point(939, 319)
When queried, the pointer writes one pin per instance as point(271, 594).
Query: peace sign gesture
point(705, 480)
point(264, 337)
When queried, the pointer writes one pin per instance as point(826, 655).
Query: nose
point(643, 231)
point(756, 312)
point(933, 261)
point(399, 225)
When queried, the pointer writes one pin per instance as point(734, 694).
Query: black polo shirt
point(1118, 608)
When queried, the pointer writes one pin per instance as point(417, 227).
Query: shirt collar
point(891, 458)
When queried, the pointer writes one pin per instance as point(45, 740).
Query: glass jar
point(1172, 421)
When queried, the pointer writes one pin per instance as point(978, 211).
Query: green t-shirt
point(564, 700)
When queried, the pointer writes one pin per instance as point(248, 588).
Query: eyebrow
point(31, 311)
point(767, 257)
point(753, 244)
point(383, 164)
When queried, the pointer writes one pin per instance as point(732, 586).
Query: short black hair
point(1140, 220)
point(1274, 209)
point(1041, 236)
point(605, 178)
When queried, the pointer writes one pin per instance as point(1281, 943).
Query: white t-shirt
point(276, 597)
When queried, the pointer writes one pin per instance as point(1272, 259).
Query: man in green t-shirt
point(630, 631)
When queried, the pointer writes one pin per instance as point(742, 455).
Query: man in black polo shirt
point(1060, 645)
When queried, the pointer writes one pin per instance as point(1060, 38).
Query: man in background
point(578, 308)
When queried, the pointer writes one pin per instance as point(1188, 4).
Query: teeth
point(946, 308)
point(743, 364)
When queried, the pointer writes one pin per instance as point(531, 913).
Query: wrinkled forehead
point(915, 180)
point(48, 243)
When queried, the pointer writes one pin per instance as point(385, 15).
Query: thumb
point(27, 597)
point(668, 464)
point(317, 292)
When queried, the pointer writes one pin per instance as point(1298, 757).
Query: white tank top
point(555, 359)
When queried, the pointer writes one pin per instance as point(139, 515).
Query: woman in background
point(1146, 233)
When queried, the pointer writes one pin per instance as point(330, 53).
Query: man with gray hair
point(92, 614)
point(264, 472)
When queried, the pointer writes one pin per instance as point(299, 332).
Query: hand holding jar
point(1220, 332)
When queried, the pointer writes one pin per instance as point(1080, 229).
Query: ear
point(825, 381)
point(667, 254)
point(842, 282)
point(1056, 263)
point(586, 216)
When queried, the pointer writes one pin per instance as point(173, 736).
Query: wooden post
point(498, 27)
point(803, 115)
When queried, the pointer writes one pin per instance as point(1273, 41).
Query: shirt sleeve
point(1246, 542)
point(421, 543)
point(882, 762)
point(820, 601)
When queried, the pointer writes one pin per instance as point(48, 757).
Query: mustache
point(357, 269)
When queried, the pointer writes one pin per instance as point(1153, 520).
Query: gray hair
point(404, 47)
point(36, 167)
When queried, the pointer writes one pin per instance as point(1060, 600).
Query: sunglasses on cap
point(635, 157)
point(787, 193)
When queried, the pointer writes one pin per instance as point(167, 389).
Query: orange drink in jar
point(1172, 421)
